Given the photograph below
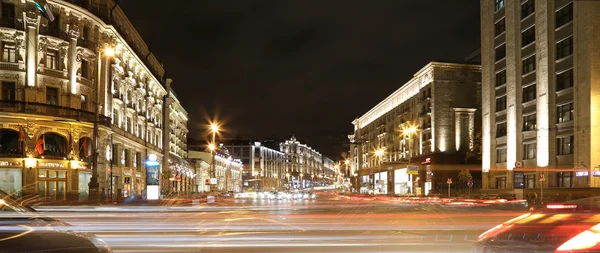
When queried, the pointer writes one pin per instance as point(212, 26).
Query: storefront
point(52, 179)
point(381, 182)
point(11, 176)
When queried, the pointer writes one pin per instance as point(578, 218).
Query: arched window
point(10, 143)
point(85, 149)
point(52, 145)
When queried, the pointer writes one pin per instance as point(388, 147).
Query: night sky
point(303, 67)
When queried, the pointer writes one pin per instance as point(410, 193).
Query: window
point(501, 104)
point(529, 65)
point(129, 126)
point(501, 155)
point(564, 113)
point(8, 15)
point(85, 69)
point(8, 91)
point(9, 52)
point(564, 145)
point(529, 151)
point(564, 15)
point(530, 181)
point(564, 48)
point(115, 154)
point(501, 52)
point(528, 36)
point(501, 129)
point(527, 8)
point(83, 102)
point(52, 96)
point(565, 179)
point(529, 93)
point(52, 59)
point(500, 182)
point(501, 78)
point(115, 117)
point(529, 122)
point(499, 4)
point(499, 27)
point(564, 80)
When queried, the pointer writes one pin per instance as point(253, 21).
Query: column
point(166, 133)
point(72, 67)
point(31, 37)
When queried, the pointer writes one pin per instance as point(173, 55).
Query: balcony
point(86, 43)
point(9, 66)
point(52, 111)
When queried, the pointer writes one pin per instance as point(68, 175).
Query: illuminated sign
point(52, 165)
point(152, 170)
point(587, 173)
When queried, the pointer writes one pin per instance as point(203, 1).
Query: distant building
point(304, 166)
point(417, 138)
point(228, 171)
point(541, 87)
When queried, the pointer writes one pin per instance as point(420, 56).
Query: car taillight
point(561, 206)
point(583, 241)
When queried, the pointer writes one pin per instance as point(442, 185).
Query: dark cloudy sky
point(303, 67)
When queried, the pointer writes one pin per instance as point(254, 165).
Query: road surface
point(286, 226)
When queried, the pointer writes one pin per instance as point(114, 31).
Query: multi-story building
point(303, 165)
point(183, 174)
point(263, 163)
point(417, 137)
point(50, 73)
point(540, 67)
point(228, 171)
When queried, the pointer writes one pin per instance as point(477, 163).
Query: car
point(572, 226)
point(25, 230)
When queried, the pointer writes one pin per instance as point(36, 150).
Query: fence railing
point(52, 110)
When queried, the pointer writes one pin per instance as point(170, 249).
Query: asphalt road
point(286, 226)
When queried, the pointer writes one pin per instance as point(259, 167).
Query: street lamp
point(214, 128)
point(94, 184)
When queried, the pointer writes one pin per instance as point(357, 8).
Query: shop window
point(11, 181)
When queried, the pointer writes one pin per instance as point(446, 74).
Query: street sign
point(542, 178)
point(213, 181)
point(470, 183)
point(518, 164)
point(449, 181)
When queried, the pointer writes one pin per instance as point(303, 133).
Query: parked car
point(25, 230)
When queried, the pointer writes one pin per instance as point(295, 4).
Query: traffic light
point(44, 9)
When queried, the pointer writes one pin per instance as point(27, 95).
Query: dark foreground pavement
point(286, 226)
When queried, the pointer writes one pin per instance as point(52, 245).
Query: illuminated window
point(501, 78)
point(51, 59)
point(529, 122)
point(499, 27)
point(529, 151)
point(529, 64)
point(501, 52)
point(501, 155)
point(564, 15)
point(529, 180)
point(565, 113)
point(501, 129)
point(564, 48)
point(500, 182)
point(565, 179)
point(564, 145)
point(564, 80)
point(501, 104)
point(528, 36)
point(527, 8)
point(499, 5)
point(9, 52)
point(529, 93)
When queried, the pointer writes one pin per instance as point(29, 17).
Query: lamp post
point(408, 132)
point(379, 153)
point(214, 128)
point(94, 184)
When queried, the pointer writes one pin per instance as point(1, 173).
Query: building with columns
point(417, 138)
point(540, 68)
point(303, 165)
point(50, 73)
point(183, 173)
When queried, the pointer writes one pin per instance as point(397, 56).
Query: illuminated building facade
point(228, 170)
point(303, 165)
point(417, 138)
point(183, 174)
point(540, 68)
point(48, 79)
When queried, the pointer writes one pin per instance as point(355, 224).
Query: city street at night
point(258, 225)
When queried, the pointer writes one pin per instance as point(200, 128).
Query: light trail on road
point(259, 226)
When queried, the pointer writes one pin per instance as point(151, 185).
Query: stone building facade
point(48, 78)
point(540, 67)
point(304, 166)
point(416, 138)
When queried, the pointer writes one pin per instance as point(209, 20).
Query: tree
point(465, 176)
point(475, 152)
